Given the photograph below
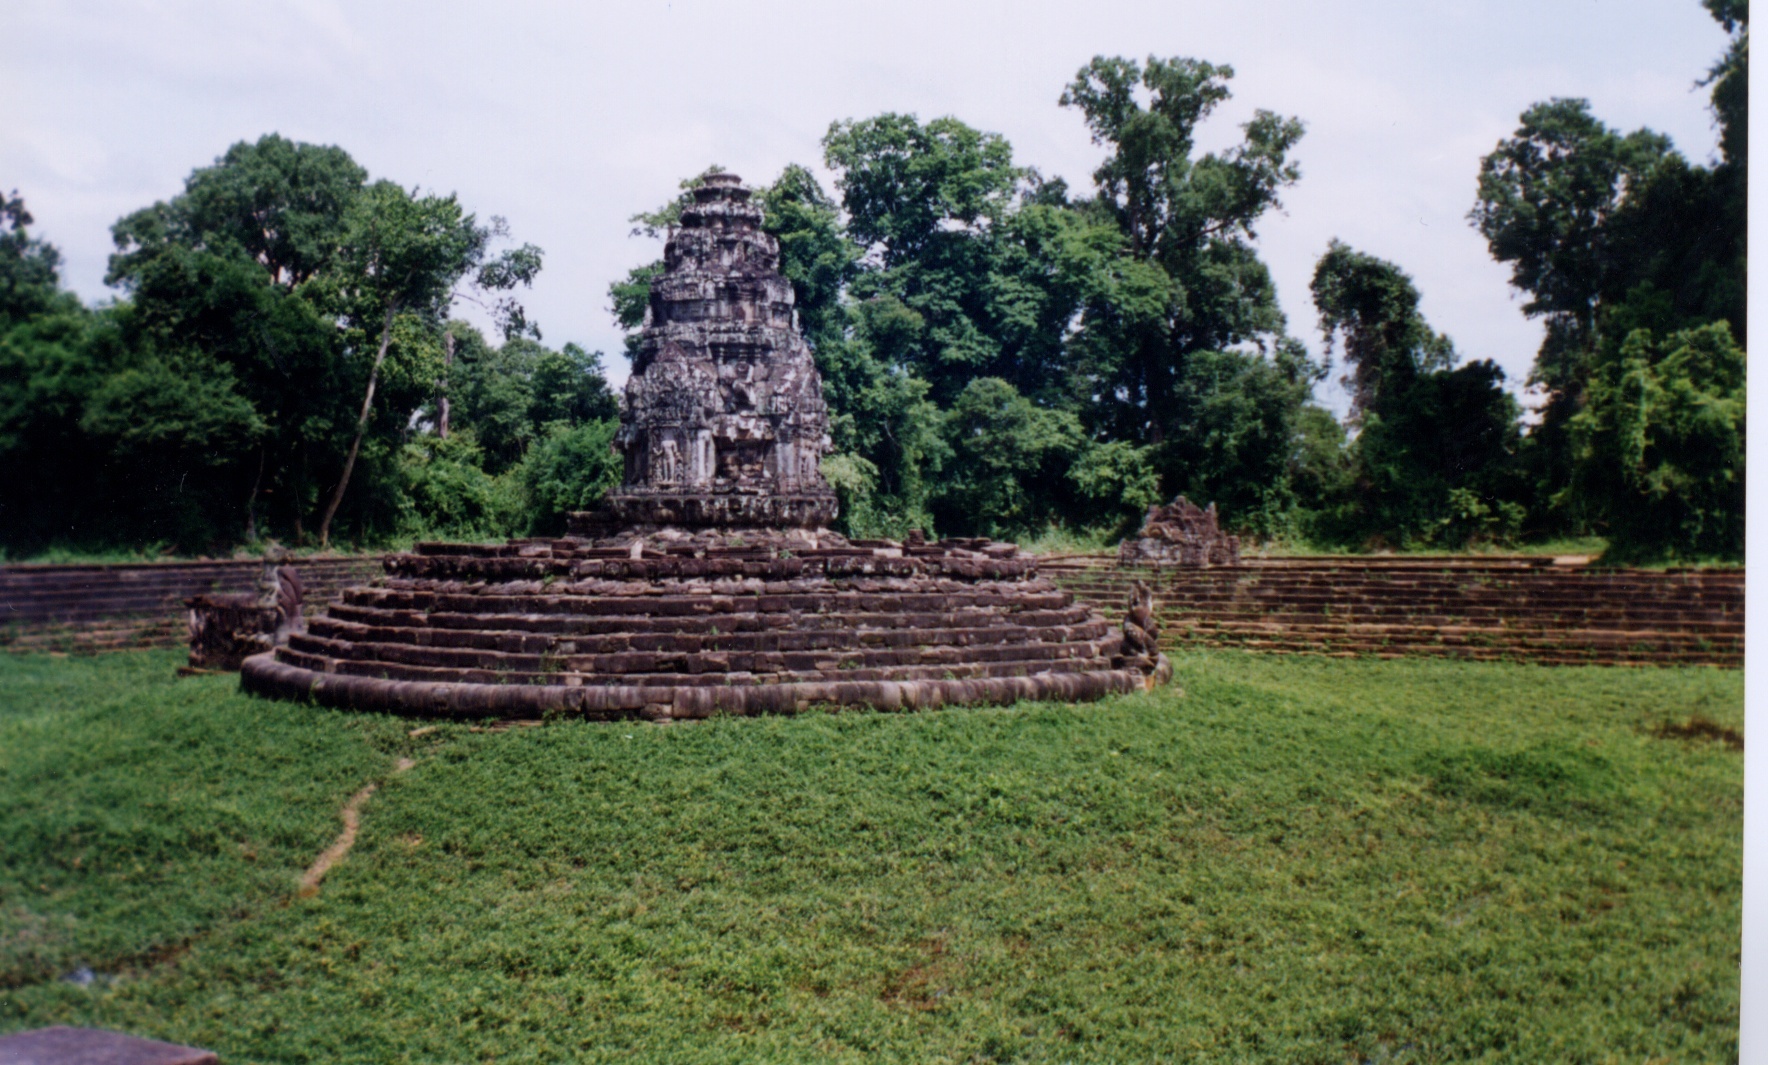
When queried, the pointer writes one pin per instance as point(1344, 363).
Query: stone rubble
point(1180, 534)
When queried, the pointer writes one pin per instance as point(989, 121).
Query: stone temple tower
point(725, 422)
point(709, 583)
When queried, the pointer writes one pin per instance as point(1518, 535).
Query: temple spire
point(725, 421)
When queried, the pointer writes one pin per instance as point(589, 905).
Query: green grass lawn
point(1295, 861)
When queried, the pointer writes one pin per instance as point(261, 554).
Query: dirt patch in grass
point(1699, 727)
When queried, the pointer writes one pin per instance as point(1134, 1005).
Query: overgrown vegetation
point(1002, 354)
point(1296, 860)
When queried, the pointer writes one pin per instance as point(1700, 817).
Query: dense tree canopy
point(281, 325)
point(1607, 232)
point(1001, 354)
point(1434, 454)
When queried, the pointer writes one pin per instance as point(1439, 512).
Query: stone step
point(1436, 616)
point(770, 639)
point(1563, 657)
point(565, 624)
point(449, 675)
point(709, 604)
point(641, 662)
point(1627, 647)
point(1425, 638)
point(1582, 589)
point(1514, 633)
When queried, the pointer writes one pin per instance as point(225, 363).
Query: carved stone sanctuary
point(1180, 534)
point(725, 423)
point(709, 581)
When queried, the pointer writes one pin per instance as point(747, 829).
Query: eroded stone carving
point(228, 628)
point(1141, 637)
point(1181, 534)
point(725, 421)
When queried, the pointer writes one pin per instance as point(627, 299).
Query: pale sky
point(568, 118)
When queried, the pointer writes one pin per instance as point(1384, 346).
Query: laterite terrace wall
point(106, 607)
point(1515, 608)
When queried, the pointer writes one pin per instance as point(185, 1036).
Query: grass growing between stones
point(1297, 861)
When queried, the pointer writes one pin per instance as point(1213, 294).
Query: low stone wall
point(1516, 608)
point(104, 607)
point(1475, 607)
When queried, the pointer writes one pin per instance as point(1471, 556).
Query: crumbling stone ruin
point(228, 628)
point(709, 581)
point(1180, 534)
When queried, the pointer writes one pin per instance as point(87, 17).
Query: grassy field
point(1295, 861)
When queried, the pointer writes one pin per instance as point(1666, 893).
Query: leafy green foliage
point(1369, 307)
point(999, 352)
point(571, 468)
point(1602, 229)
point(815, 254)
point(1008, 457)
point(1660, 445)
point(1192, 218)
point(1433, 461)
point(1294, 860)
point(29, 268)
point(1236, 418)
point(1115, 480)
point(403, 255)
point(906, 186)
point(281, 328)
point(451, 494)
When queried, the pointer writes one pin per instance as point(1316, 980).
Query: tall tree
point(282, 274)
point(403, 254)
point(1433, 456)
point(1660, 445)
point(30, 280)
point(1193, 218)
point(1604, 229)
point(226, 271)
point(1369, 307)
point(48, 370)
point(1548, 196)
point(925, 202)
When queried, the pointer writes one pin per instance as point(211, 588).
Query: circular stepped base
point(669, 627)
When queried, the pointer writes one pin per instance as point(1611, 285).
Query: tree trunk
point(442, 385)
point(252, 500)
point(1150, 389)
point(299, 496)
point(374, 374)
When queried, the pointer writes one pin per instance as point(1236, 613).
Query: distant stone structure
point(709, 581)
point(1180, 534)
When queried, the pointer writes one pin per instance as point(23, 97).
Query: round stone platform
point(667, 624)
